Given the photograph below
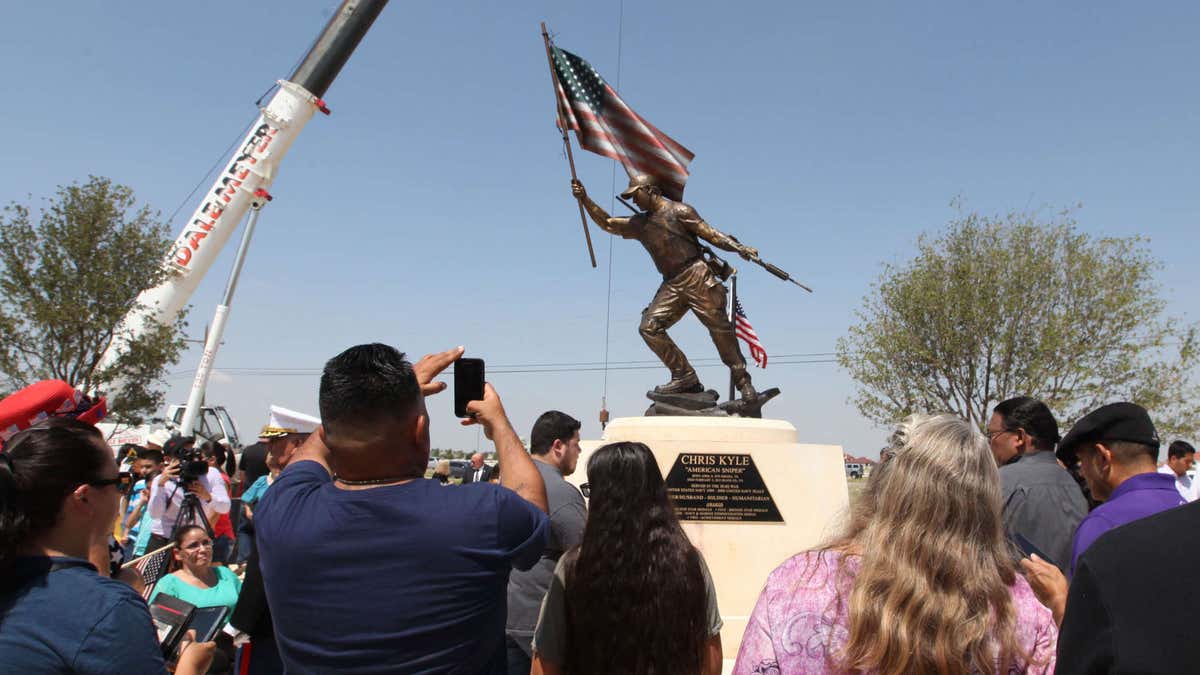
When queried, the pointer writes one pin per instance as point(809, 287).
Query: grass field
point(855, 486)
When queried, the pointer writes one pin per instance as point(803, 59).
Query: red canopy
point(48, 398)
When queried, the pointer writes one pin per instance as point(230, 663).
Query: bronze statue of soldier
point(671, 232)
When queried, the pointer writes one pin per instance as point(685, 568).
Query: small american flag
point(606, 126)
point(152, 566)
point(745, 331)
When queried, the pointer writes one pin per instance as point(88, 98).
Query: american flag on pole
point(606, 126)
point(152, 566)
point(741, 325)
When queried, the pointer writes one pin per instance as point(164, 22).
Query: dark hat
point(1113, 422)
point(177, 443)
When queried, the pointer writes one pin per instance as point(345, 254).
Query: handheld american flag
point(152, 566)
point(745, 331)
point(606, 126)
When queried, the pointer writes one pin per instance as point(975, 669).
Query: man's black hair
point(1030, 414)
point(366, 385)
point(551, 426)
point(155, 456)
point(1179, 449)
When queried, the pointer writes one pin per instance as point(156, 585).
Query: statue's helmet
point(641, 180)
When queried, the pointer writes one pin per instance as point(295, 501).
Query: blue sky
point(433, 207)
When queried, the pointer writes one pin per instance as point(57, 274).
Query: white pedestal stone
point(807, 483)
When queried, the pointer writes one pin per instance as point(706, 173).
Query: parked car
point(458, 467)
point(854, 470)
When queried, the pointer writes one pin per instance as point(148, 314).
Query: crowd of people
point(1004, 550)
point(60, 493)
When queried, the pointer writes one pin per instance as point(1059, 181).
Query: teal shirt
point(132, 533)
point(255, 491)
point(224, 594)
point(143, 538)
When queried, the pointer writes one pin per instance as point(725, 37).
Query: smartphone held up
point(468, 384)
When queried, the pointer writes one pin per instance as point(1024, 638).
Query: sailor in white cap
point(283, 422)
point(285, 431)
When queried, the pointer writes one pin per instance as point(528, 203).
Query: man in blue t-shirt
point(377, 569)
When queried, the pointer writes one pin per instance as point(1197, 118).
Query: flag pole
point(732, 322)
point(562, 126)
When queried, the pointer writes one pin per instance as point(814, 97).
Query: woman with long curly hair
point(635, 597)
point(922, 582)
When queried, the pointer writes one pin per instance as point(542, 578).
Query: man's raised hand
point(577, 190)
point(170, 472)
point(519, 475)
point(432, 365)
point(489, 412)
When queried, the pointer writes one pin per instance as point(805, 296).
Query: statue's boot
point(686, 383)
point(741, 380)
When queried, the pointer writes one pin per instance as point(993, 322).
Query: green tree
point(995, 307)
point(66, 281)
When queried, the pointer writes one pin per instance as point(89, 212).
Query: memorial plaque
point(710, 487)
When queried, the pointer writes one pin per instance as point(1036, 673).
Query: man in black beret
point(1127, 610)
point(1116, 447)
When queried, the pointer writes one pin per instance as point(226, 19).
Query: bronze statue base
point(704, 404)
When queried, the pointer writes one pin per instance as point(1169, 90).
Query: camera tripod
point(191, 513)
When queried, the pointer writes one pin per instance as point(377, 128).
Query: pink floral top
point(796, 626)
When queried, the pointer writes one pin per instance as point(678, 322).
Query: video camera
point(192, 466)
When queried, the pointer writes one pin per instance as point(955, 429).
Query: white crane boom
point(245, 181)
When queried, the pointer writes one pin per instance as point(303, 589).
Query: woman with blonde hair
point(923, 581)
point(441, 473)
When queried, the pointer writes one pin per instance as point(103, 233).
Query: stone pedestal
point(742, 533)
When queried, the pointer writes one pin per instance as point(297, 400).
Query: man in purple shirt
point(1116, 448)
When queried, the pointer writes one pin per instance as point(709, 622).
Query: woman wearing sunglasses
point(635, 597)
point(59, 495)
